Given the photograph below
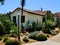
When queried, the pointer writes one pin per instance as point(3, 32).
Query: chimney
point(41, 9)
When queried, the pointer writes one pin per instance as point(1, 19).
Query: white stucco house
point(31, 16)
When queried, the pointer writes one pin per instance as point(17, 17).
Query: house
point(31, 16)
point(57, 14)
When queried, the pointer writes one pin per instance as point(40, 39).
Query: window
point(43, 19)
point(14, 19)
point(22, 19)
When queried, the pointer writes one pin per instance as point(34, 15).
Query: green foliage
point(2, 2)
point(0, 37)
point(33, 35)
point(13, 30)
point(6, 25)
point(5, 39)
point(30, 27)
point(27, 23)
point(9, 15)
point(41, 37)
point(25, 39)
point(50, 23)
point(34, 26)
point(12, 42)
point(4, 17)
point(49, 15)
point(47, 30)
point(2, 29)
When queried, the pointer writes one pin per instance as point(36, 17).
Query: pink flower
point(40, 32)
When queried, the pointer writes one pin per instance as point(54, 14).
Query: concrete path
point(44, 43)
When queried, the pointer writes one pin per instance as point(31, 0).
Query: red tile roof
point(37, 12)
point(57, 14)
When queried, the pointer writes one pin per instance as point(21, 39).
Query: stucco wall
point(28, 16)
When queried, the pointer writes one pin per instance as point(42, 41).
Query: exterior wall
point(15, 14)
point(28, 17)
point(32, 17)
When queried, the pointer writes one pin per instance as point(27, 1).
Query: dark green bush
point(25, 39)
point(5, 39)
point(0, 38)
point(2, 29)
point(12, 42)
point(41, 37)
point(48, 30)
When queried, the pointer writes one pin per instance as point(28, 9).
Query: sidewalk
point(44, 43)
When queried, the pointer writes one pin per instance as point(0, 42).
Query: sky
point(10, 5)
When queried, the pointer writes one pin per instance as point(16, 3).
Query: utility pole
point(22, 6)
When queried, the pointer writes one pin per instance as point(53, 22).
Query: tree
point(2, 1)
point(49, 20)
point(9, 15)
point(7, 24)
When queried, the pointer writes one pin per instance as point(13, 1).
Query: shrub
point(5, 39)
point(25, 39)
point(21, 34)
point(54, 32)
point(12, 42)
point(13, 30)
point(0, 38)
point(28, 28)
point(7, 24)
point(33, 26)
point(41, 37)
point(48, 30)
point(33, 34)
point(2, 28)
point(49, 25)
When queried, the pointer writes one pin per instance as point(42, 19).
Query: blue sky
point(53, 5)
